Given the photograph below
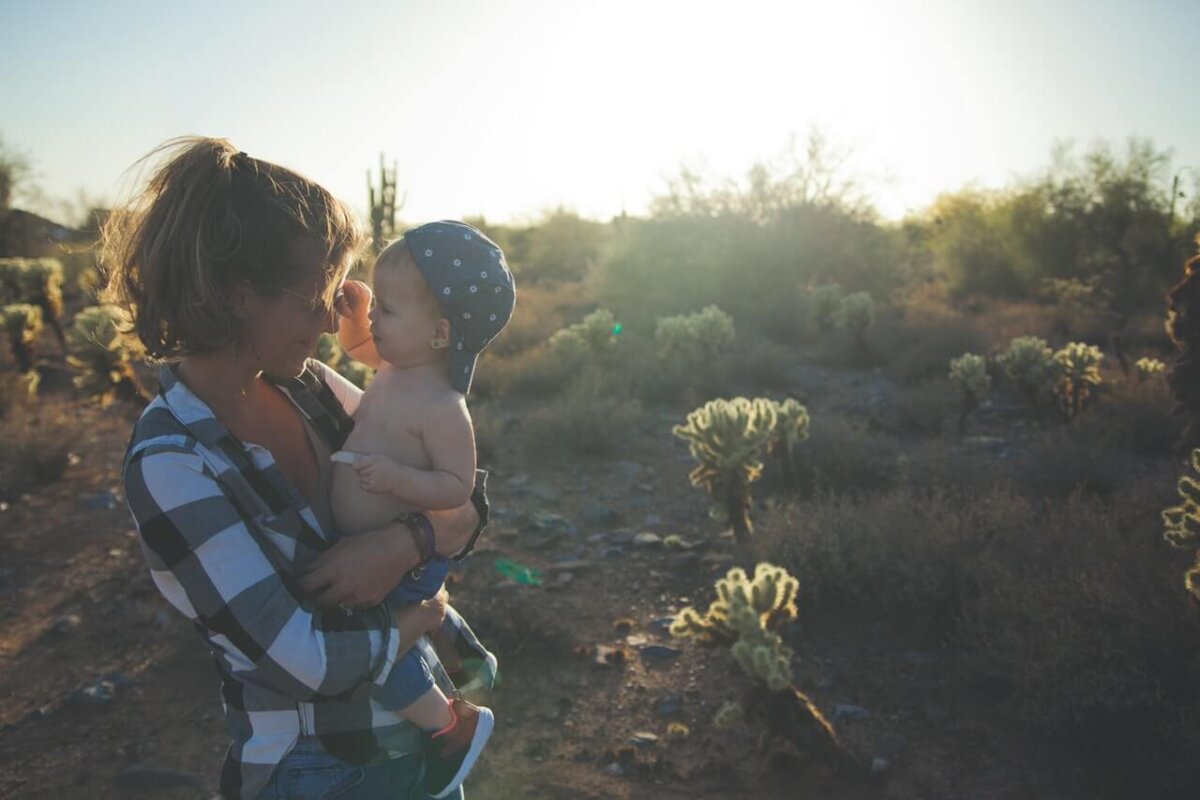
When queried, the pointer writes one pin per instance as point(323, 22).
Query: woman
point(231, 269)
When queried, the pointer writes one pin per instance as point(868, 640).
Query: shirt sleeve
point(228, 579)
point(346, 392)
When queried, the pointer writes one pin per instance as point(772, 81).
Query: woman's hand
point(354, 323)
point(358, 571)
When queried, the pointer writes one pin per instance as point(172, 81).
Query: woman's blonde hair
point(209, 218)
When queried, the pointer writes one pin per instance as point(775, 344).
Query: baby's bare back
point(387, 422)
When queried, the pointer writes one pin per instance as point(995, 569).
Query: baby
point(442, 293)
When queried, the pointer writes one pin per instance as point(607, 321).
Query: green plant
point(694, 339)
point(824, 303)
point(969, 375)
point(22, 322)
point(1029, 363)
point(37, 281)
point(791, 428)
point(1181, 522)
point(1149, 367)
point(104, 356)
point(329, 351)
point(856, 314)
point(1079, 375)
point(589, 338)
point(726, 438)
point(745, 616)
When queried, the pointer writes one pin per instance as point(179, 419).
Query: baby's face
point(405, 317)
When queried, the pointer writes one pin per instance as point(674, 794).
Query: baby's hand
point(377, 474)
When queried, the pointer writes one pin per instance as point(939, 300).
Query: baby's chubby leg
point(430, 711)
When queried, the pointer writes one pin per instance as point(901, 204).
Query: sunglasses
point(315, 304)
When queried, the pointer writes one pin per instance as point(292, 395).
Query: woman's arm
point(208, 563)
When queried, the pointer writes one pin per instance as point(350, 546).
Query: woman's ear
point(241, 298)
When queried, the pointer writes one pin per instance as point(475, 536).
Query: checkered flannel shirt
point(224, 534)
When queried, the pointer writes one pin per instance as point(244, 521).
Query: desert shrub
point(922, 408)
point(535, 372)
point(1079, 613)
point(1065, 461)
point(1134, 417)
point(856, 315)
point(590, 418)
point(694, 339)
point(103, 356)
point(841, 457)
point(824, 302)
point(590, 339)
point(542, 309)
point(1070, 607)
point(915, 340)
point(752, 363)
point(37, 445)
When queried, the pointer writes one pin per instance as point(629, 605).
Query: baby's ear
point(441, 334)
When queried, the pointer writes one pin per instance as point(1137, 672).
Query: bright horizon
point(508, 109)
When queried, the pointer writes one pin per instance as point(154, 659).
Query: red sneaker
point(450, 754)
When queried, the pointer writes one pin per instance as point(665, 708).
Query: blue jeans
point(309, 773)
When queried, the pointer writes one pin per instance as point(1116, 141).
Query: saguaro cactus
point(727, 437)
point(103, 356)
point(823, 303)
point(382, 202)
point(745, 616)
point(1079, 374)
point(969, 375)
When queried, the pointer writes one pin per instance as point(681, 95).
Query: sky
point(508, 109)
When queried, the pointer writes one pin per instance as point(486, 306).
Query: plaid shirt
point(224, 533)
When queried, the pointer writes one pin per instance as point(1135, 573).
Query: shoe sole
point(483, 732)
point(477, 682)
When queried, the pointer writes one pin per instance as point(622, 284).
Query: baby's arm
point(354, 326)
point(450, 442)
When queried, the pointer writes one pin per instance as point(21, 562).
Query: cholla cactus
point(791, 428)
point(824, 302)
point(588, 338)
point(329, 351)
point(22, 322)
point(694, 339)
point(727, 437)
point(1079, 374)
point(104, 356)
point(1181, 523)
point(37, 281)
point(856, 313)
point(729, 715)
point(1029, 363)
point(745, 613)
point(1149, 367)
point(969, 375)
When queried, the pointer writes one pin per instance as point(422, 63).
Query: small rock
point(647, 488)
point(890, 744)
point(614, 769)
point(850, 712)
point(635, 640)
point(544, 493)
point(599, 514)
point(613, 552)
point(161, 618)
point(144, 776)
point(662, 624)
point(879, 765)
point(520, 479)
point(100, 500)
point(660, 652)
point(66, 623)
point(670, 705)
point(652, 521)
point(563, 578)
point(647, 539)
point(643, 739)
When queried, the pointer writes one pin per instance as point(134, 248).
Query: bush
point(840, 457)
point(37, 448)
point(694, 339)
point(589, 419)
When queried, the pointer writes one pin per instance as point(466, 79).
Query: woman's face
point(282, 331)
